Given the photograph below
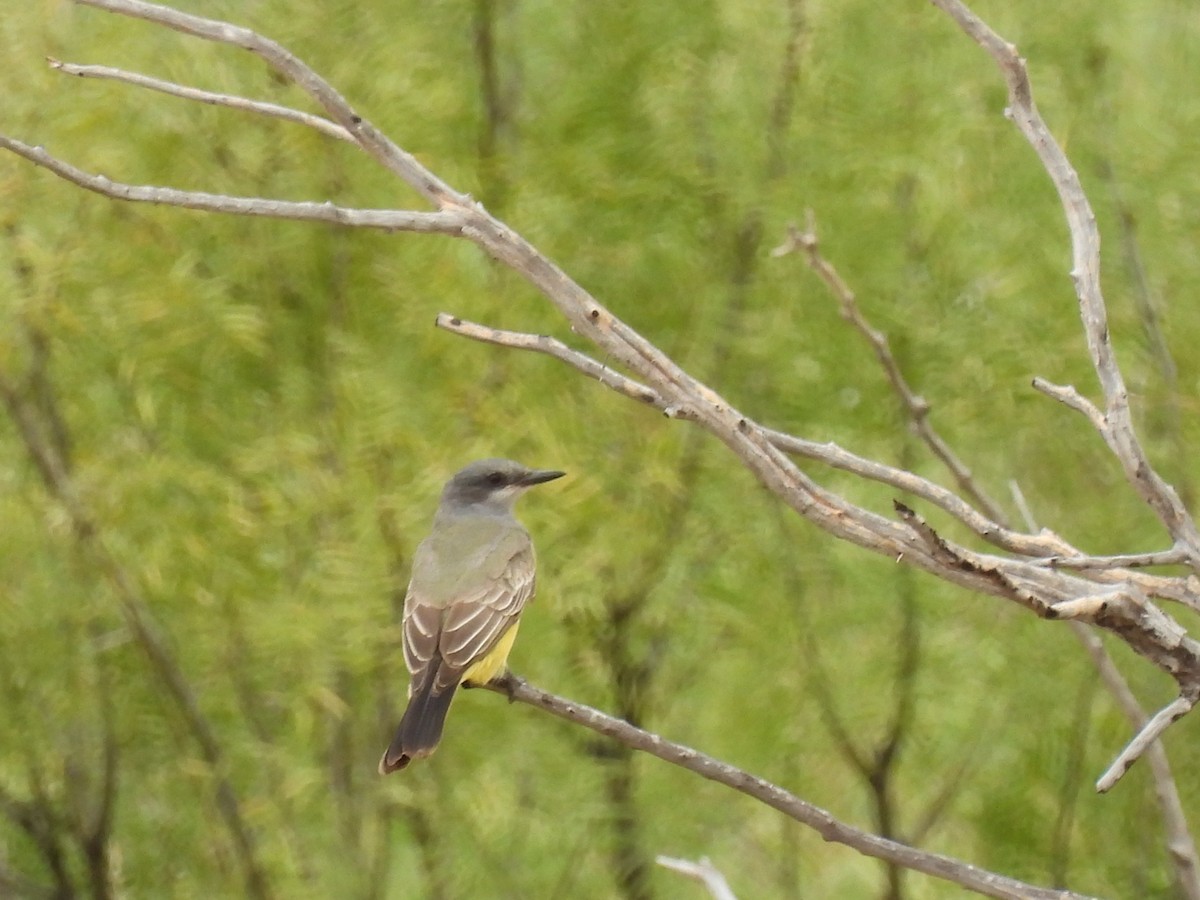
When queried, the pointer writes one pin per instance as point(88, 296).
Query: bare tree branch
point(1119, 433)
point(1173, 557)
point(1180, 846)
point(821, 821)
point(1179, 837)
point(1068, 396)
point(271, 110)
point(1150, 733)
point(446, 222)
point(1114, 425)
point(1046, 548)
point(541, 343)
point(915, 406)
point(1179, 841)
point(366, 135)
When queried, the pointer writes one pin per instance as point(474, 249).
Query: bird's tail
point(420, 728)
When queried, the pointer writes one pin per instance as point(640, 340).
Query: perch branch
point(831, 829)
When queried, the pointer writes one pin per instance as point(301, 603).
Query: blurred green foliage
point(260, 414)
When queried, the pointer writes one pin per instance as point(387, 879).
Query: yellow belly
point(494, 661)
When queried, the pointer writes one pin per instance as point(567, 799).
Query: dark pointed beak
point(539, 476)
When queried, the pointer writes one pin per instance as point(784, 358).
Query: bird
point(471, 578)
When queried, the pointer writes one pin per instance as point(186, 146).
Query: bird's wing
point(422, 628)
point(474, 623)
point(456, 634)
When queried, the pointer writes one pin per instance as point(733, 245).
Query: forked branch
point(1118, 432)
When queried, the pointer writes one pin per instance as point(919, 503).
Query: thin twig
point(541, 343)
point(1068, 396)
point(915, 406)
point(279, 58)
point(950, 555)
point(1180, 846)
point(262, 108)
point(1046, 543)
point(1150, 733)
point(449, 222)
point(1044, 546)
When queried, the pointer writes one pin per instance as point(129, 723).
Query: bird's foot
point(508, 682)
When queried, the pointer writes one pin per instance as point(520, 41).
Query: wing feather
point(422, 626)
point(474, 624)
point(442, 640)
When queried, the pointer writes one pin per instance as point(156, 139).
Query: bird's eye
point(495, 479)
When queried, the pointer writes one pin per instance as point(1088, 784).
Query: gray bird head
point(492, 485)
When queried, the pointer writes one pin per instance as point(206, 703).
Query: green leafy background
point(261, 413)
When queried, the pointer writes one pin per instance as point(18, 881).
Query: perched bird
point(471, 578)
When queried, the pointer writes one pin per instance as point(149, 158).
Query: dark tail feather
point(420, 728)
